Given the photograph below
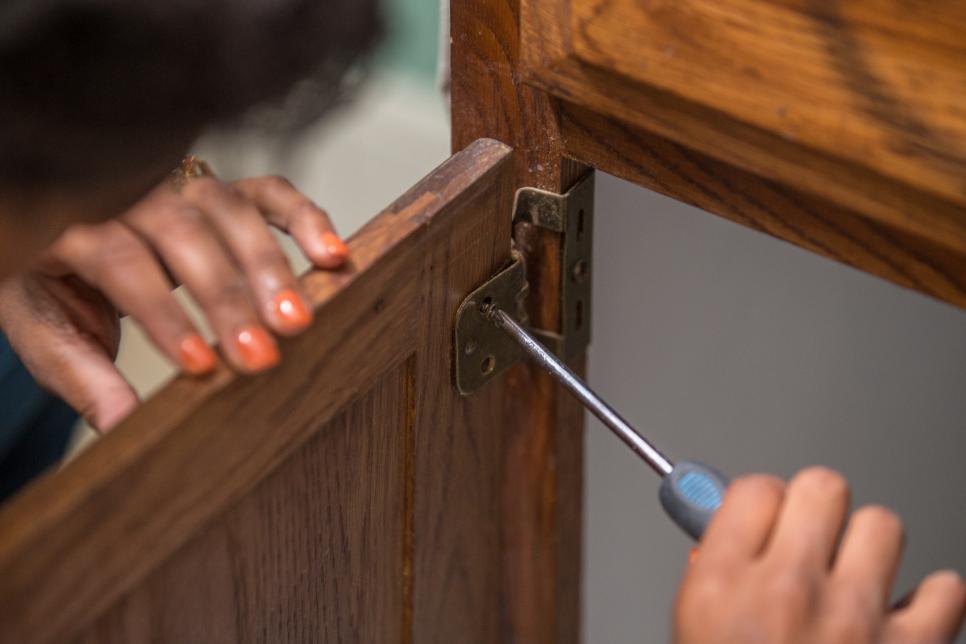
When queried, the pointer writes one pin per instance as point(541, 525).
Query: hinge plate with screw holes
point(481, 349)
point(571, 215)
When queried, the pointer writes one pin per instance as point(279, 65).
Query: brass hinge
point(571, 215)
point(481, 350)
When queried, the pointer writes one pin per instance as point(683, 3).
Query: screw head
point(487, 366)
point(579, 271)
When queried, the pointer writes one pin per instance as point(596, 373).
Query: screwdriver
point(690, 491)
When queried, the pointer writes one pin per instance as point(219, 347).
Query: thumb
point(79, 371)
point(90, 382)
point(64, 341)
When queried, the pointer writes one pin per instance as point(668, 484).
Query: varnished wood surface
point(312, 554)
point(857, 104)
point(459, 460)
point(137, 524)
point(542, 479)
point(767, 206)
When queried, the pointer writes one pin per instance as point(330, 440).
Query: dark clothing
point(35, 426)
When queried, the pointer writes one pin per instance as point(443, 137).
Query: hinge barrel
point(570, 215)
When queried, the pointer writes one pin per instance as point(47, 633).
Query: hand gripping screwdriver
point(690, 491)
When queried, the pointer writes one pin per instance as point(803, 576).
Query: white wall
point(728, 346)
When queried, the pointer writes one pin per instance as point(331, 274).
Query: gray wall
point(725, 345)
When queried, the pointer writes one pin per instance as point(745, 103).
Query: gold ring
point(191, 167)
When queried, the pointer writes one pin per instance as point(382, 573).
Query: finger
point(869, 555)
point(742, 525)
point(242, 227)
point(181, 236)
point(114, 260)
point(288, 209)
point(935, 613)
point(89, 381)
point(811, 519)
point(77, 367)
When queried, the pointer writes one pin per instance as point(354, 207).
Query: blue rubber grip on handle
point(691, 494)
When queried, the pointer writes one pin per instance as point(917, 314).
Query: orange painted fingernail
point(291, 310)
point(195, 355)
point(257, 348)
point(334, 246)
point(692, 555)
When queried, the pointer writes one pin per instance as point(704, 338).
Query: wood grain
point(311, 554)
point(459, 459)
point(856, 103)
point(878, 83)
point(542, 426)
point(77, 541)
point(763, 205)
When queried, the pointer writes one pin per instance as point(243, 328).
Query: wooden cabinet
point(349, 495)
point(839, 126)
point(352, 494)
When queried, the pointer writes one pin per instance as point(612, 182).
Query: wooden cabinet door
point(837, 126)
point(351, 495)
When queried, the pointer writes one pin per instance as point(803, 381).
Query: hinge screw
point(487, 366)
point(579, 272)
point(487, 306)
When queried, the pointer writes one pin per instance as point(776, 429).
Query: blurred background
point(719, 343)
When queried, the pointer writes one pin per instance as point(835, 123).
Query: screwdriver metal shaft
point(650, 454)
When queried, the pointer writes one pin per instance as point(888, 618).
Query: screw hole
point(487, 304)
point(487, 366)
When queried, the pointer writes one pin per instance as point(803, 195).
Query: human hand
point(213, 237)
point(771, 568)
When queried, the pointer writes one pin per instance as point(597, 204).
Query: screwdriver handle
point(691, 494)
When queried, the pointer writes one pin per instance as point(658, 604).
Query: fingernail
point(195, 355)
point(334, 246)
point(291, 310)
point(692, 555)
point(257, 348)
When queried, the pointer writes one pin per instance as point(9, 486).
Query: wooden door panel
point(266, 508)
point(313, 554)
point(855, 107)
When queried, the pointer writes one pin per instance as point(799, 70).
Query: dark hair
point(89, 87)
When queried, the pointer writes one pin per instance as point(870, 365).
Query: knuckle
point(789, 590)
point(75, 239)
point(848, 615)
point(227, 296)
point(848, 602)
point(186, 223)
point(268, 258)
point(308, 209)
point(699, 594)
point(117, 252)
point(276, 183)
point(201, 188)
point(846, 628)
